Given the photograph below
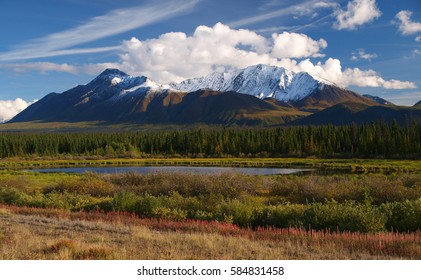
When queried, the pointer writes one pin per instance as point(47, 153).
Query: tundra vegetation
point(371, 211)
point(341, 216)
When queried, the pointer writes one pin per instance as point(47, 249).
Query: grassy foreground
point(52, 234)
point(228, 216)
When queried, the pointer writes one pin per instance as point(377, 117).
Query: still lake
point(174, 169)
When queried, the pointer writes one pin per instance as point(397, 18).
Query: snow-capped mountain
point(261, 81)
point(222, 98)
point(115, 97)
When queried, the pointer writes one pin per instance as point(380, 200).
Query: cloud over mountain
point(176, 56)
point(294, 45)
point(10, 108)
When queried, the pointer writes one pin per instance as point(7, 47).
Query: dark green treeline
point(368, 140)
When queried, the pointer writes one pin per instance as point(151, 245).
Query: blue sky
point(371, 46)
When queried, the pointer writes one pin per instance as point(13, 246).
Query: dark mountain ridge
point(347, 113)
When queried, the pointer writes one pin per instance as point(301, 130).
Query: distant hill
point(377, 99)
point(347, 113)
point(329, 96)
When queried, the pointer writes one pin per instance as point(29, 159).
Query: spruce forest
point(377, 139)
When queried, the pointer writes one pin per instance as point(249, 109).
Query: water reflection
point(176, 169)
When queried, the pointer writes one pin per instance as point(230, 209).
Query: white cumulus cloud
point(10, 108)
point(294, 45)
point(369, 78)
point(407, 26)
point(177, 56)
point(357, 13)
point(331, 70)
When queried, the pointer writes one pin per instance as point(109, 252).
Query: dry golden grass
point(56, 237)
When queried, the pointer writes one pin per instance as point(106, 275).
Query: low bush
point(365, 203)
point(403, 216)
point(281, 216)
point(348, 216)
point(90, 183)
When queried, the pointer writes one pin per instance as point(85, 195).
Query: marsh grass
point(335, 165)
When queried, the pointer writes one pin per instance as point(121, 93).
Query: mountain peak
point(110, 76)
point(116, 78)
point(112, 72)
point(262, 81)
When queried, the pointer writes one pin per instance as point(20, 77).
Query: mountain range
point(256, 95)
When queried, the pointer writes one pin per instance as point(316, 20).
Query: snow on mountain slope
point(122, 85)
point(262, 81)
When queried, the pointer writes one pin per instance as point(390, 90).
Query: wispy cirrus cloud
point(113, 23)
point(54, 53)
point(42, 67)
point(302, 9)
point(313, 24)
point(361, 54)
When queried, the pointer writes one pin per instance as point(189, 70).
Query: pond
point(175, 169)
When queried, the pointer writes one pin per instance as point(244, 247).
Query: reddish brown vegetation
point(392, 244)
